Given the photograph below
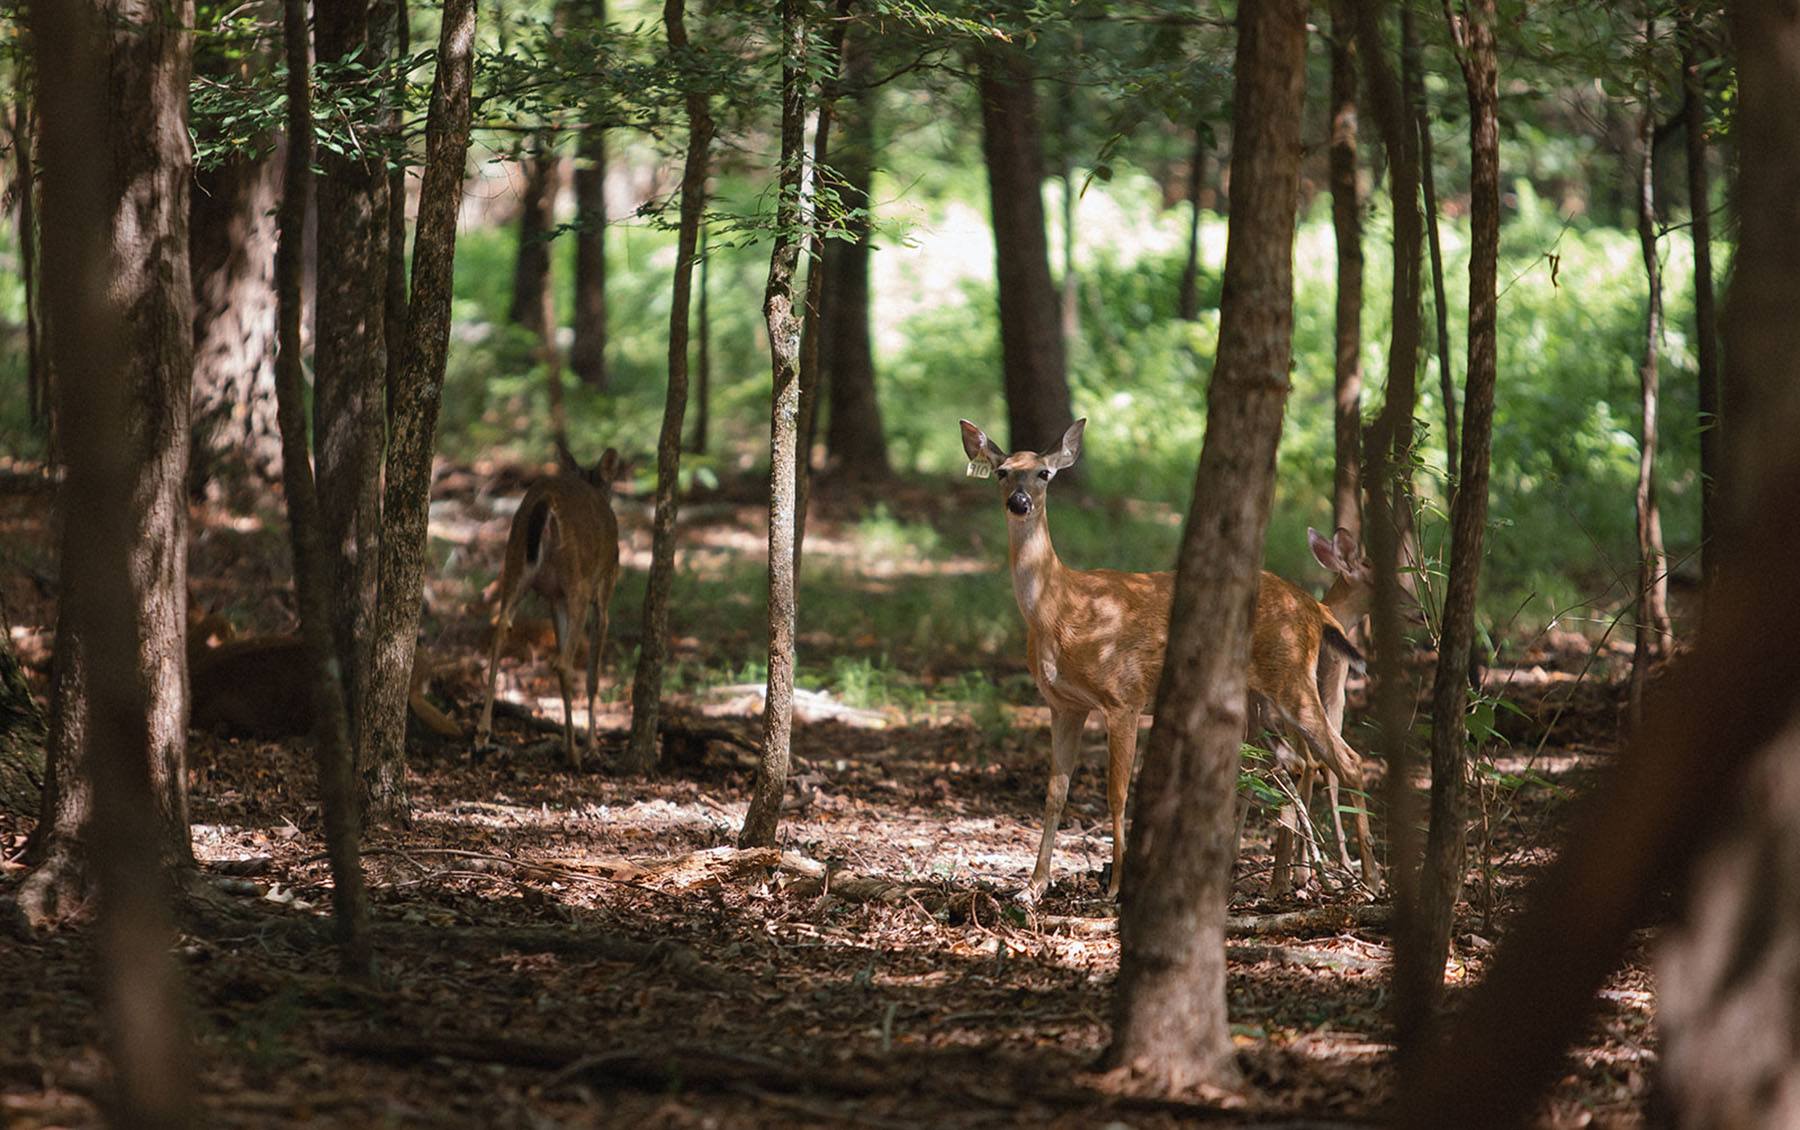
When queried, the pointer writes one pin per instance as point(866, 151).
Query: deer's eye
point(1044, 473)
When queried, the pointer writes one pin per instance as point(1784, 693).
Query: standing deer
point(564, 545)
point(1095, 640)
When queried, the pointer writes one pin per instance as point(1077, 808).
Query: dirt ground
point(561, 949)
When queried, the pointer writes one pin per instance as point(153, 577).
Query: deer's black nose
point(1019, 503)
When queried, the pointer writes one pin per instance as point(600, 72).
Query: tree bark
point(1419, 960)
point(350, 355)
point(537, 207)
point(588, 354)
point(702, 356)
point(1706, 337)
point(312, 568)
point(420, 391)
point(116, 174)
point(646, 687)
point(854, 440)
point(22, 734)
point(760, 822)
point(1653, 634)
point(1346, 222)
point(393, 14)
point(1031, 344)
point(24, 130)
point(1171, 1015)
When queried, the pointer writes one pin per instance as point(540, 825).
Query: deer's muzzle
point(1019, 503)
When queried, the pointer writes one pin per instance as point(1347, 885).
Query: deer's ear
point(565, 459)
point(978, 447)
point(1324, 549)
point(1069, 449)
point(1348, 550)
point(610, 466)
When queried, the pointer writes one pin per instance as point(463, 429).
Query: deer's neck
point(1348, 602)
point(1035, 567)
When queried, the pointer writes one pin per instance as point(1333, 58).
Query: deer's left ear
point(1069, 450)
point(1324, 549)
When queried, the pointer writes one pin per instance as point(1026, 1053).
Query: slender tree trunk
point(1441, 874)
point(417, 396)
point(116, 171)
point(1714, 760)
point(350, 356)
point(1706, 338)
point(1031, 344)
point(853, 436)
point(312, 568)
point(393, 13)
point(23, 731)
point(646, 687)
point(808, 423)
point(1653, 634)
point(1069, 286)
point(537, 208)
point(703, 355)
point(761, 821)
point(1440, 304)
point(1187, 301)
point(1346, 222)
point(1171, 1016)
point(587, 356)
point(24, 129)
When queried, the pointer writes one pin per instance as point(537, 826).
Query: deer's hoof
point(1029, 895)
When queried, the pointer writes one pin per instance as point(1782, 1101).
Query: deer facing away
point(564, 546)
point(1095, 640)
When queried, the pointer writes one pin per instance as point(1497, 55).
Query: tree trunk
point(312, 568)
point(116, 174)
point(1653, 634)
point(350, 356)
point(24, 129)
point(646, 687)
point(702, 355)
point(1440, 304)
point(418, 394)
point(1420, 957)
point(854, 439)
point(1171, 1015)
point(1069, 285)
point(588, 354)
point(231, 241)
point(1031, 343)
point(1714, 758)
point(760, 822)
point(393, 13)
point(1706, 339)
point(1346, 222)
point(1187, 300)
point(537, 216)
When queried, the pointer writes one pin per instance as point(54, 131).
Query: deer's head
point(601, 476)
point(1023, 475)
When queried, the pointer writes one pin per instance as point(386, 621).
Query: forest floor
point(587, 949)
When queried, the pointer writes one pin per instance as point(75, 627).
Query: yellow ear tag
point(980, 469)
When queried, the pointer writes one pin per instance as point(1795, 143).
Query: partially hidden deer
point(1095, 640)
point(564, 546)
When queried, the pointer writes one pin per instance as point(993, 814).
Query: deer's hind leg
point(1121, 758)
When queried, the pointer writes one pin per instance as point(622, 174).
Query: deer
point(564, 546)
point(1095, 640)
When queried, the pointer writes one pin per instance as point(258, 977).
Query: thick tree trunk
point(587, 356)
point(22, 734)
point(1031, 343)
point(1171, 1016)
point(1653, 634)
point(1421, 955)
point(418, 394)
point(1706, 337)
point(231, 241)
point(854, 439)
point(1714, 759)
point(763, 817)
point(312, 568)
point(1346, 222)
point(350, 357)
point(116, 169)
point(646, 687)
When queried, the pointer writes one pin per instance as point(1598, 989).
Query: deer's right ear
point(609, 466)
point(1324, 550)
point(978, 447)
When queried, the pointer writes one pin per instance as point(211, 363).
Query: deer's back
point(564, 536)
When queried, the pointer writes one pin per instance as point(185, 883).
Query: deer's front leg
point(1065, 743)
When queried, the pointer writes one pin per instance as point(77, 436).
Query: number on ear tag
point(980, 469)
